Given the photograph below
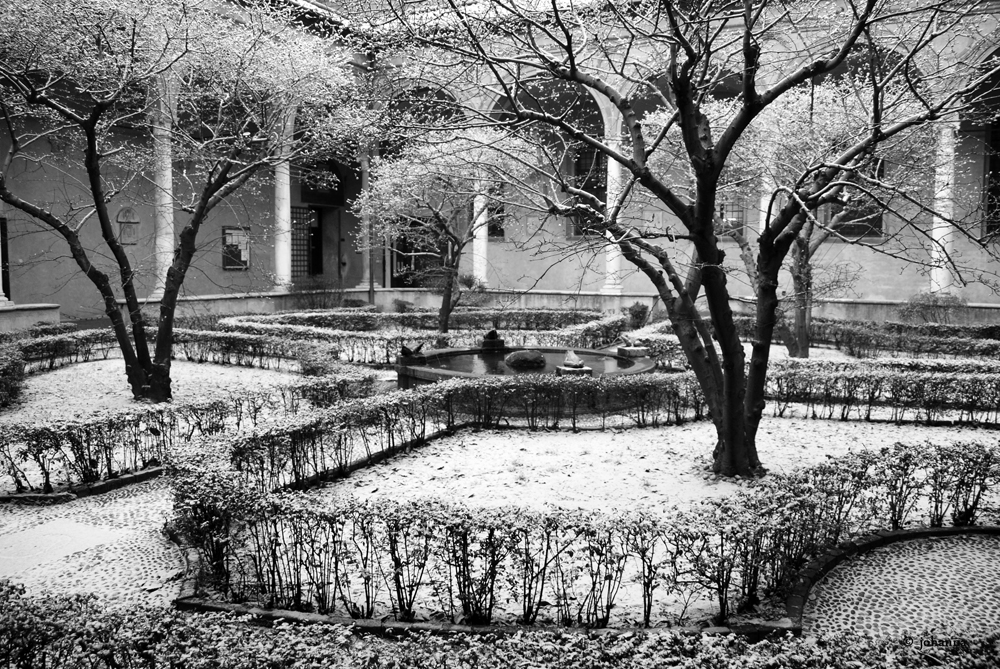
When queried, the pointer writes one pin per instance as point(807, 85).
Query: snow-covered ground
point(87, 388)
point(617, 468)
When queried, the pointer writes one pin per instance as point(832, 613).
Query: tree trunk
point(736, 450)
point(802, 287)
point(448, 300)
point(787, 336)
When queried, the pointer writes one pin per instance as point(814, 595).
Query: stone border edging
point(811, 574)
point(83, 490)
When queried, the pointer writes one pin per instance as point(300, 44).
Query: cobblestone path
point(941, 587)
point(110, 545)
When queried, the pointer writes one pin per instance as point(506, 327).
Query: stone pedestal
point(562, 370)
point(493, 343)
point(633, 351)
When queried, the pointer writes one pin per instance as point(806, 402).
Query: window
point(991, 190)
point(235, 248)
point(128, 227)
point(496, 213)
point(307, 242)
point(732, 214)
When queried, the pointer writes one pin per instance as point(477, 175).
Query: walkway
point(946, 586)
point(110, 545)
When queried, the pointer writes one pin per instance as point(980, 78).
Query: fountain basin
point(452, 363)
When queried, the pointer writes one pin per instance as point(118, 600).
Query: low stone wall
point(23, 316)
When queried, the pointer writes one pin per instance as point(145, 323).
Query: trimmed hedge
point(11, 373)
point(866, 339)
point(79, 633)
point(298, 449)
point(224, 348)
point(290, 551)
point(463, 319)
point(36, 331)
point(382, 347)
point(104, 446)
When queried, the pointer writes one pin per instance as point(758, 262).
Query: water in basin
point(488, 362)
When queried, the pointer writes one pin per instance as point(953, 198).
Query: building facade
point(285, 235)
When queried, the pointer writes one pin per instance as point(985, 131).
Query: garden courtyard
point(301, 480)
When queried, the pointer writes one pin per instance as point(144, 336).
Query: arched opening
point(416, 110)
point(580, 164)
point(860, 215)
point(412, 112)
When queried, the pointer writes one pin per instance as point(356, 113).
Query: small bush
point(637, 315)
point(402, 306)
point(928, 307)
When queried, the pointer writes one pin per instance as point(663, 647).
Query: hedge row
point(35, 454)
point(208, 322)
point(367, 559)
point(79, 633)
point(382, 347)
point(464, 319)
point(37, 330)
point(866, 339)
point(224, 348)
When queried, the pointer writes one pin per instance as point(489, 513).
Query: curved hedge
point(383, 346)
point(282, 550)
point(76, 451)
point(35, 456)
point(195, 345)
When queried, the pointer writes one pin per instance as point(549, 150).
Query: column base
point(614, 289)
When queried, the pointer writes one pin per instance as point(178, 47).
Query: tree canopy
point(105, 91)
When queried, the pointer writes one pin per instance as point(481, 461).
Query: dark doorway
point(307, 242)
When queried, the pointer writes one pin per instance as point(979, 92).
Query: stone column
point(4, 300)
point(944, 205)
point(163, 182)
point(283, 207)
point(767, 188)
point(612, 253)
point(364, 159)
point(481, 237)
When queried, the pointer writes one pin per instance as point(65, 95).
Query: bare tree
point(437, 195)
point(760, 51)
point(111, 83)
